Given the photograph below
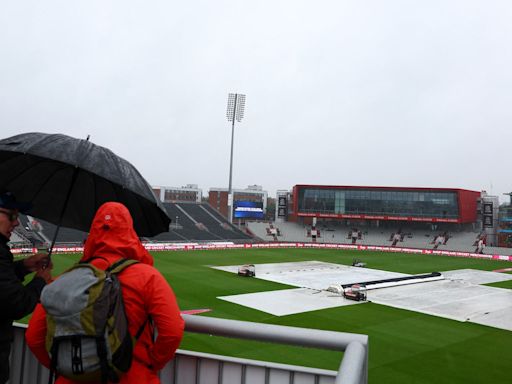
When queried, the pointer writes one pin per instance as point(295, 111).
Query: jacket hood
point(112, 236)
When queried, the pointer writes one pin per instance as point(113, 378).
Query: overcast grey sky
point(373, 93)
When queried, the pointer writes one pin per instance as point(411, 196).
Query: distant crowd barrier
point(297, 245)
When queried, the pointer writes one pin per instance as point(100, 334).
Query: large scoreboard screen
point(248, 210)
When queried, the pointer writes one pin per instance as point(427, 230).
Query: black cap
point(8, 201)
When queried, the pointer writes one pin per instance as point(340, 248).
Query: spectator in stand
point(16, 299)
point(481, 245)
point(438, 240)
point(354, 235)
point(481, 235)
point(396, 238)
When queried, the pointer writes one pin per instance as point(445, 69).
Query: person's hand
point(37, 262)
point(45, 274)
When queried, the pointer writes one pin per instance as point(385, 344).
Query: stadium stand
point(171, 236)
point(239, 234)
point(198, 222)
point(195, 222)
point(284, 232)
point(26, 230)
point(259, 230)
point(17, 240)
point(212, 222)
point(463, 240)
point(185, 225)
point(65, 235)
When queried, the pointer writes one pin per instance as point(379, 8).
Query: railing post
point(352, 368)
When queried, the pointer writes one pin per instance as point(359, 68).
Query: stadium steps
point(185, 226)
point(25, 229)
point(65, 235)
point(236, 234)
point(18, 240)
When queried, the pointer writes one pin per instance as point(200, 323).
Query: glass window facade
point(425, 203)
point(505, 226)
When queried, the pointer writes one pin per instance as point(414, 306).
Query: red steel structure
point(462, 203)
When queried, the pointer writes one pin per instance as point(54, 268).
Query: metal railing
point(195, 367)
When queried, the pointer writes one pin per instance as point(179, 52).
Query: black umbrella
point(68, 179)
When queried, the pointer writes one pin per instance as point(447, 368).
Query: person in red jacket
point(145, 293)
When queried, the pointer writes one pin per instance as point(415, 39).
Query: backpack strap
point(119, 265)
point(88, 261)
point(53, 363)
point(116, 268)
point(101, 349)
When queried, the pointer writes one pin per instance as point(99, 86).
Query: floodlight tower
point(235, 111)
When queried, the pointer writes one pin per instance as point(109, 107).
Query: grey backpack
point(87, 329)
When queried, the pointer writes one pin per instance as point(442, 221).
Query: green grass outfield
point(405, 346)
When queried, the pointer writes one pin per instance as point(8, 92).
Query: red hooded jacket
point(145, 293)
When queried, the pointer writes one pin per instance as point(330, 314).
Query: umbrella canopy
point(68, 179)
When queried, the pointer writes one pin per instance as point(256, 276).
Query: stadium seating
point(190, 222)
point(18, 240)
point(259, 230)
point(25, 230)
point(186, 226)
point(462, 240)
point(212, 221)
point(170, 236)
point(200, 222)
point(65, 235)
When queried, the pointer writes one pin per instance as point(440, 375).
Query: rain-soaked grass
point(405, 346)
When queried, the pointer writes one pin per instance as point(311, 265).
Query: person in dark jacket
point(16, 300)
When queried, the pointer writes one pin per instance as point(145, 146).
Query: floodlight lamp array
point(231, 106)
point(236, 107)
point(240, 108)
